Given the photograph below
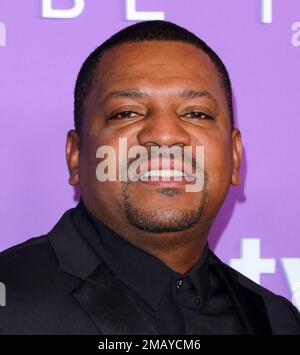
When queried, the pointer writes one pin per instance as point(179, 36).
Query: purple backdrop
point(39, 61)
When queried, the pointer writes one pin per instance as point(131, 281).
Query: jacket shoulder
point(32, 247)
point(38, 294)
point(283, 315)
point(25, 246)
point(242, 279)
point(37, 250)
point(27, 260)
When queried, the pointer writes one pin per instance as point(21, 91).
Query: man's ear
point(237, 154)
point(72, 155)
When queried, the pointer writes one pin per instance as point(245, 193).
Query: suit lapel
point(108, 303)
point(104, 298)
point(249, 304)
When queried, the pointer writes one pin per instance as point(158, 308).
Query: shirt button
point(197, 300)
point(179, 283)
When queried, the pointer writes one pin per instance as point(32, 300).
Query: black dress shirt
point(192, 303)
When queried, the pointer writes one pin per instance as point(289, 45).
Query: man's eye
point(124, 115)
point(199, 115)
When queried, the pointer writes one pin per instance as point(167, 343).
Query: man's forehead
point(137, 64)
point(147, 58)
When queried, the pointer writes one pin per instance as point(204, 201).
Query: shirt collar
point(139, 270)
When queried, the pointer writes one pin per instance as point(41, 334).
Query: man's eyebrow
point(131, 93)
point(136, 93)
point(191, 94)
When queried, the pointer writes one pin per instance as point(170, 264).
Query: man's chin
point(166, 211)
point(162, 220)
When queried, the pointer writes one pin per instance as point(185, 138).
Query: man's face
point(172, 96)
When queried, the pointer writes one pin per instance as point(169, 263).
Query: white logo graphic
point(266, 11)
point(49, 12)
point(132, 14)
point(2, 295)
point(251, 264)
point(296, 35)
point(162, 164)
point(2, 35)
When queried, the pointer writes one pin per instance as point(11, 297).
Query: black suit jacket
point(57, 284)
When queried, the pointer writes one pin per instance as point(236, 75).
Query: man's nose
point(163, 128)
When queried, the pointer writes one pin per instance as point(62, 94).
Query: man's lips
point(171, 183)
point(165, 172)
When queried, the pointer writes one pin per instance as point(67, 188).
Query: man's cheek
point(218, 167)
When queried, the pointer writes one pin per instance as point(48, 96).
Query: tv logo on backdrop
point(49, 11)
point(252, 265)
